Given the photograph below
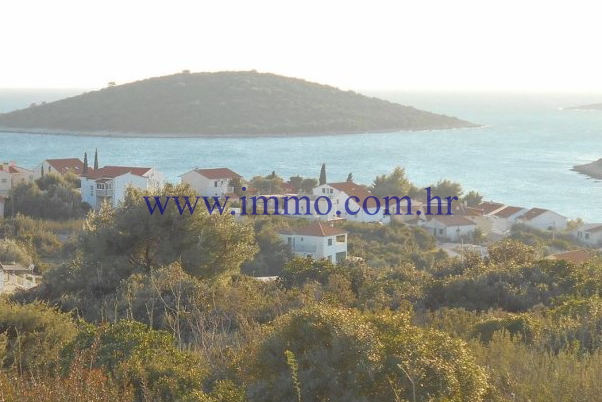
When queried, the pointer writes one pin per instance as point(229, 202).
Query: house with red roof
point(109, 184)
point(369, 207)
point(450, 227)
point(318, 240)
point(212, 182)
point(589, 234)
point(543, 219)
point(60, 166)
point(12, 175)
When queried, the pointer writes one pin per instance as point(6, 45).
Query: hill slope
point(235, 103)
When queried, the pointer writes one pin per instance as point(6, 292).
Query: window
point(323, 191)
point(331, 191)
point(587, 236)
point(330, 242)
point(215, 183)
point(3, 180)
point(91, 190)
point(440, 231)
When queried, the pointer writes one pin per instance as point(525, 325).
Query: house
point(317, 240)
point(576, 256)
point(210, 182)
point(450, 227)
point(14, 276)
point(503, 219)
point(12, 175)
point(109, 183)
point(369, 208)
point(543, 219)
point(589, 234)
point(60, 166)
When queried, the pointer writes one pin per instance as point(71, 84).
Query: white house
point(12, 175)
point(60, 166)
point(369, 208)
point(450, 227)
point(590, 234)
point(543, 219)
point(210, 182)
point(109, 184)
point(505, 218)
point(317, 240)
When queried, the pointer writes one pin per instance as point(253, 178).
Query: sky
point(373, 45)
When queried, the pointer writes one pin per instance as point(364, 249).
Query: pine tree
point(42, 171)
point(96, 159)
point(350, 177)
point(85, 171)
point(323, 174)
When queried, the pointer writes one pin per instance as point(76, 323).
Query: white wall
point(546, 220)
point(206, 187)
point(316, 246)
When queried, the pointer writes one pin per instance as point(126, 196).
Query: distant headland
point(594, 106)
point(593, 169)
point(238, 104)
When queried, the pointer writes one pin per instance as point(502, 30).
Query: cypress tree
point(85, 163)
point(96, 159)
point(322, 175)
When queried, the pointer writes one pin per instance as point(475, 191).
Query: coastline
point(43, 131)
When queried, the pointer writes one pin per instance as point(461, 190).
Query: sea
point(522, 155)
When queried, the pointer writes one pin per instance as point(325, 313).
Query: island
point(234, 103)
point(593, 169)
point(595, 106)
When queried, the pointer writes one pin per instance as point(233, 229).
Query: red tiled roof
point(489, 207)
point(11, 169)
point(575, 256)
point(62, 166)
point(116, 171)
point(218, 173)
point(508, 212)
point(316, 229)
point(355, 190)
point(454, 220)
point(533, 213)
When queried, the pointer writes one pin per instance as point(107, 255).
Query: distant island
point(595, 106)
point(593, 169)
point(222, 104)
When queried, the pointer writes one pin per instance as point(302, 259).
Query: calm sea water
point(522, 157)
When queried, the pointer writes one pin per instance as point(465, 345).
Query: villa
point(110, 183)
point(543, 219)
point(317, 240)
point(12, 175)
point(60, 166)
point(210, 182)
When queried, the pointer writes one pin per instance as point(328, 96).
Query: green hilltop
point(223, 103)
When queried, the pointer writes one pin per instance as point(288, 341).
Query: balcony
point(104, 192)
point(303, 248)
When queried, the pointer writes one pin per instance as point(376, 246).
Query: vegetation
point(140, 307)
point(225, 103)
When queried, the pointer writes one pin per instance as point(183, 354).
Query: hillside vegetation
point(235, 103)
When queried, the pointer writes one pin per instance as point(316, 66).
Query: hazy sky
point(451, 44)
